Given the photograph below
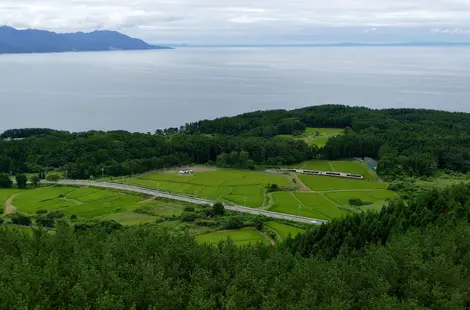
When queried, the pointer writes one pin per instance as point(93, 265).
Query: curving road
point(193, 200)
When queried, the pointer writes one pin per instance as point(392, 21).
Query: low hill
point(39, 41)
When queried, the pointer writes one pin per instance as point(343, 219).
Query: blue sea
point(146, 90)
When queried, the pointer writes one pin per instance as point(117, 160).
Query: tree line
point(422, 262)
point(413, 142)
point(122, 153)
point(406, 142)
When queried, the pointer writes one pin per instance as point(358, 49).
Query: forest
point(397, 259)
point(406, 142)
point(123, 153)
point(412, 254)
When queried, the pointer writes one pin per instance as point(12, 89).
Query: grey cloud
point(214, 20)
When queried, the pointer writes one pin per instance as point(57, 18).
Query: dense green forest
point(124, 153)
point(405, 141)
point(419, 261)
point(413, 254)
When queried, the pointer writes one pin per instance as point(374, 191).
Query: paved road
point(193, 200)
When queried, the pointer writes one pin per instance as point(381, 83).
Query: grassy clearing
point(230, 185)
point(46, 198)
point(284, 230)
point(351, 166)
point(320, 204)
point(91, 203)
point(131, 218)
point(323, 183)
point(287, 202)
point(116, 204)
point(311, 138)
point(5, 194)
point(321, 165)
point(376, 198)
point(356, 167)
point(239, 237)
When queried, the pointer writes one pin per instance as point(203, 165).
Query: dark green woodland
point(413, 254)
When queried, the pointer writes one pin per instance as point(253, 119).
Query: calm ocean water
point(143, 91)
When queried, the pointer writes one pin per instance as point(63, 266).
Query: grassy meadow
point(376, 198)
point(347, 166)
point(89, 203)
point(283, 230)
point(311, 205)
point(324, 183)
point(239, 237)
point(226, 185)
point(319, 140)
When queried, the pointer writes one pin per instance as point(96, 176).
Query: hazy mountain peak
point(40, 41)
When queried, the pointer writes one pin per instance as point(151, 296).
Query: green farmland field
point(239, 237)
point(93, 203)
point(288, 202)
point(131, 218)
point(230, 185)
point(376, 198)
point(5, 194)
point(309, 135)
point(321, 205)
point(284, 230)
point(321, 165)
point(45, 198)
point(351, 166)
point(324, 183)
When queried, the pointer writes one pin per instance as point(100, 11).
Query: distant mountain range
point(342, 44)
point(14, 41)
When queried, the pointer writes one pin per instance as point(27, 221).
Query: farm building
point(186, 172)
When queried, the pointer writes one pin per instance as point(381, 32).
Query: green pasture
point(230, 185)
point(320, 204)
point(100, 207)
point(5, 194)
point(284, 230)
point(45, 198)
point(354, 166)
point(325, 183)
point(321, 165)
point(376, 198)
point(239, 237)
point(347, 166)
point(287, 202)
point(311, 139)
point(131, 218)
point(93, 202)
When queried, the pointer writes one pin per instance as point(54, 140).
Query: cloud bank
point(224, 21)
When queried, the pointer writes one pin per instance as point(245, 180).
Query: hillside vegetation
point(418, 259)
point(396, 240)
point(405, 141)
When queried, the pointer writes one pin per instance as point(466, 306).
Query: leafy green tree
point(21, 181)
point(45, 222)
point(20, 219)
point(5, 181)
point(52, 177)
point(35, 180)
point(272, 188)
point(218, 209)
point(189, 216)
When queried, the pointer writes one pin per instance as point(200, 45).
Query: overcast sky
point(250, 21)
